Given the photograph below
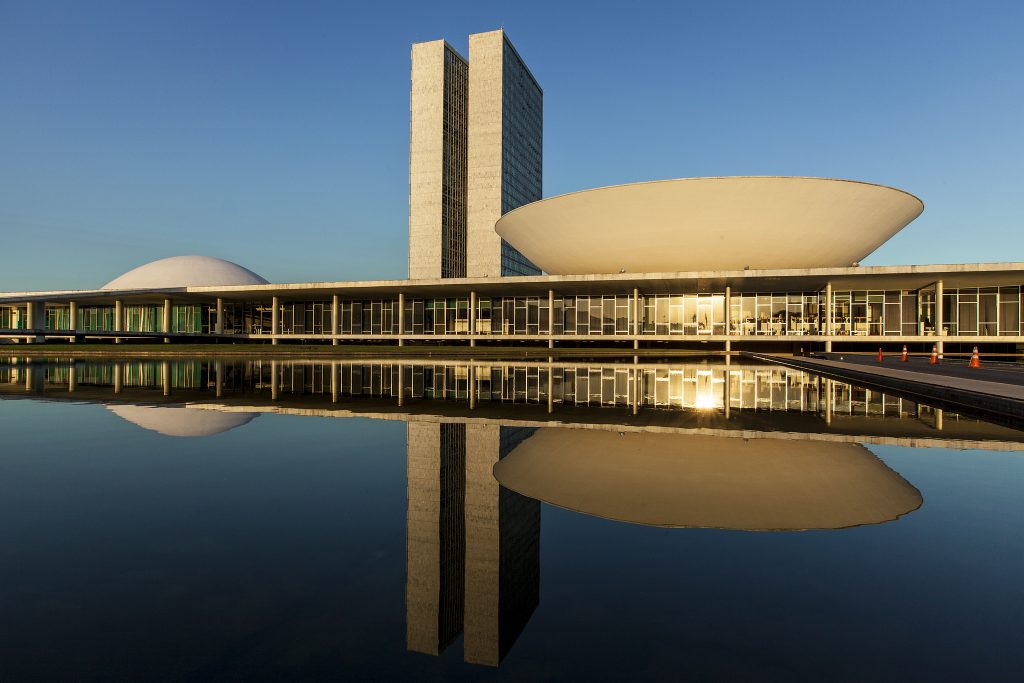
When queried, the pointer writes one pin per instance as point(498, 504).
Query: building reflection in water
point(472, 546)
point(696, 386)
point(716, 445)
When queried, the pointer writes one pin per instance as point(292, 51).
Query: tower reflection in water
point(473, 510)
point(472, 546)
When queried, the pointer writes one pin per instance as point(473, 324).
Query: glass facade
point(12, 317)
point(453, 181)
point(776, 313)
point(95, 318)
point(522, 149)
point(967, 312)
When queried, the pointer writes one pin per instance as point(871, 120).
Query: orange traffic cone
point(975, 360)
point(935, 355)
point(903, 356)
point(879, 354)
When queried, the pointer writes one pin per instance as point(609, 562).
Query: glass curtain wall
point(143, 318)
point(234, 317)
point(435, 316)
point(683, 314)
point(967, 311)
point(774, 313)
point(379, 316)
point(305, 317)
point(190, 318)
point(13, 317)
point(257, 317)
point(512, 315)
point(981, 311)
point(971, 311)
point(95, 318)
point(58, 317)
point(606, 315)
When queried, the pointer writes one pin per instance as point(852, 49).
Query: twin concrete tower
point(475, 152)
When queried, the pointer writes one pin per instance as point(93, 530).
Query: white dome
point(173, 421)
point(185, 271)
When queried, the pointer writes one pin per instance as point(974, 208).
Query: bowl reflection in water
point(683, 480)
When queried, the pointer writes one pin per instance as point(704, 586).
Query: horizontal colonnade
point(932, 314)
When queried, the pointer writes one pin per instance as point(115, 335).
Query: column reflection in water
point(473, 547)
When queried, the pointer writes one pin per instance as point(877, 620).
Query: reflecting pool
point(419, 519)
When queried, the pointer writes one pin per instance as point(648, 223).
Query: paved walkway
point(987, 373)
point(1000, 397)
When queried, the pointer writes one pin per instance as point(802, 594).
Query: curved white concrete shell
point(707, 481)
point(177, 421)
point(709, 224)
point(185, 271)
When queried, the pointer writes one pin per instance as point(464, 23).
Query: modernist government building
point(711, 263)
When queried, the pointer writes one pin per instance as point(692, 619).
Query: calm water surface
point(258, 520)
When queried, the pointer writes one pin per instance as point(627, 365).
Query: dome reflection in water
point(180, 421)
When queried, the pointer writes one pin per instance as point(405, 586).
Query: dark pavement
point(987, 373)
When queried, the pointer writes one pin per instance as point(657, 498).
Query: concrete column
point(828, 317)
point(118, 318)
point(938, 419)
point(72, 377)
point(275, 320)
point(472, 318)
point(165, 326)
point(72, 319)
point(273, 380)
point(36, 320)
point(117, 378)
point(401, 319)
point(218, 368)
point(728, 312)
point(636, 318)
point(335, 319)
point(219, 326)
point(940, 317)
point(551, 318)
point(471, 385)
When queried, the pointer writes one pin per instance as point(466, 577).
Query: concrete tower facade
point(438, 132)
point(506, 140)
point(475, 153)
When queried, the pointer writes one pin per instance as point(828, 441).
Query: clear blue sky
point(276, 134)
